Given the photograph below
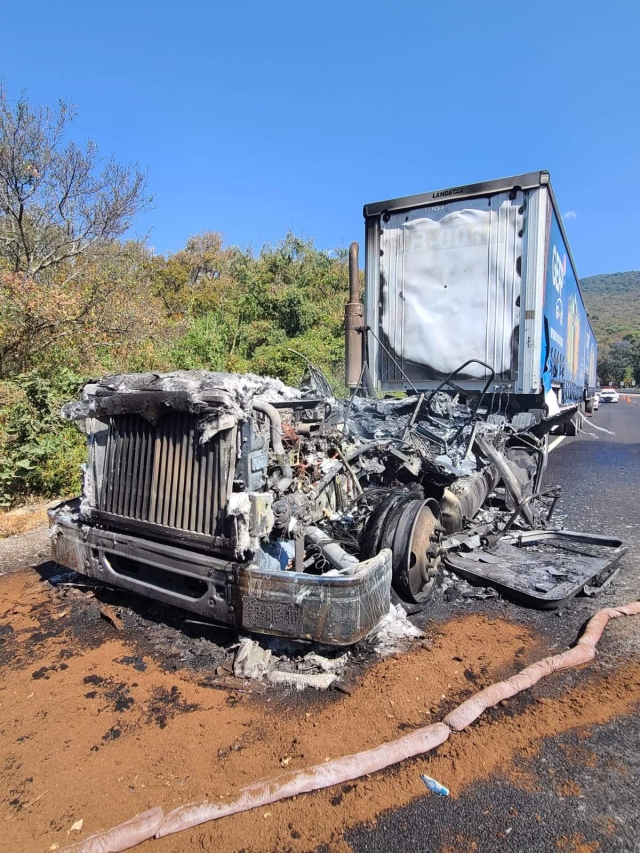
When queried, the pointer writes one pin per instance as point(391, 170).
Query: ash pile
point(293, 665)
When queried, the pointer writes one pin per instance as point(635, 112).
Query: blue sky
point(253, 118)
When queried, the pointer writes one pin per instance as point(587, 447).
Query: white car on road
point(609, 395)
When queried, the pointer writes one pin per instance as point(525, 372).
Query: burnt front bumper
point(336, 610)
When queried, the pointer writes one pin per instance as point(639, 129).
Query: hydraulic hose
point(335, 554)
point(275, 421)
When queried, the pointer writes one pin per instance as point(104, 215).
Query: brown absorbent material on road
point(95, 726)
point(583, 652)
point(325, 775)
point(345, 769)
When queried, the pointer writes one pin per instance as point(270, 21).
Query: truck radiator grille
point(163, 475)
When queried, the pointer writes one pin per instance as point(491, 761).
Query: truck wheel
point(410, 527)
point(588, 406)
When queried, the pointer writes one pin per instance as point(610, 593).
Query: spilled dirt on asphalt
point(96, 728)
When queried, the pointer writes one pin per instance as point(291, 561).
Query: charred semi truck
point(285, 511)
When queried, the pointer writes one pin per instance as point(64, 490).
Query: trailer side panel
point(569, 351)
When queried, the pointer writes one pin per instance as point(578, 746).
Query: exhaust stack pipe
point(353, 324)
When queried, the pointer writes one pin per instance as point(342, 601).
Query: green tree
point(622, 362)
point(40, 454)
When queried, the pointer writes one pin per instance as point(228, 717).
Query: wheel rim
point(411, 528)
point(416, 550)
point(421, 562)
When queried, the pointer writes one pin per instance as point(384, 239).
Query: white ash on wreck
point(283, 511)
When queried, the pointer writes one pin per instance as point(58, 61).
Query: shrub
point(40, 453)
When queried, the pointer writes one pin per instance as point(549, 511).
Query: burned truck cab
point(202, 490)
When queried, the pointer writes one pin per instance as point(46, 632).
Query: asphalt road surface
point(574, 806)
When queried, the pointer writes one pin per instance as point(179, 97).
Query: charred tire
point(410, 527)
point(380, 522)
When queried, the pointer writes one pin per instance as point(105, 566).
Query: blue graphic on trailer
point(569, 350)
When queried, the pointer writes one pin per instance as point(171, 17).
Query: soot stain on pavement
point(135, 661)
point(34, 614)
point(37, 612)
point(113, 734)
point(20, 793)
point(116, 693)
point(165, 704)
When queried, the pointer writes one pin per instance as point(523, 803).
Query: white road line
point(556, 442)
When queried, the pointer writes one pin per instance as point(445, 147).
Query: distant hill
point(613, 303)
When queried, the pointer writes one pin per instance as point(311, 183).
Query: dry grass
point(22, 520)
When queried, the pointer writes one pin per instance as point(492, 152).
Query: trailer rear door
point(450, 279)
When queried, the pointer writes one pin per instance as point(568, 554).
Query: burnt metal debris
point(288, 512)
